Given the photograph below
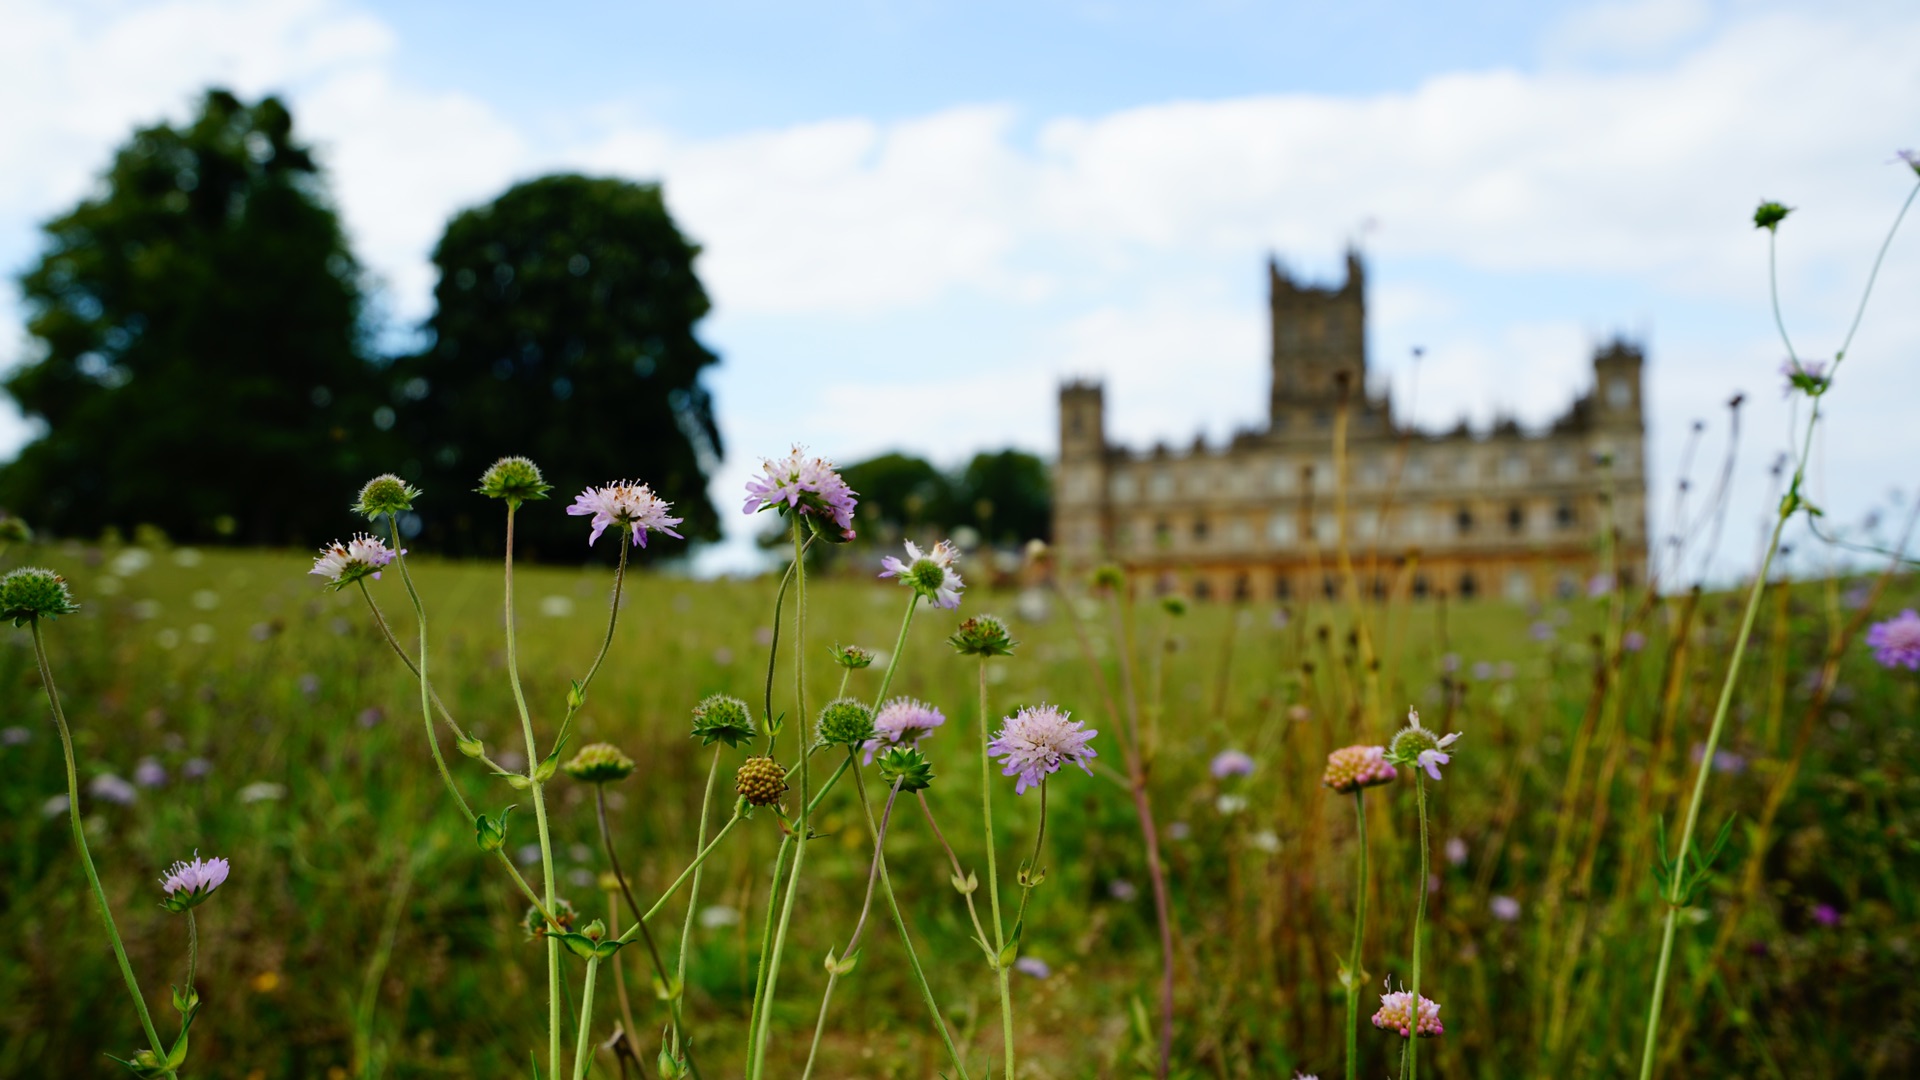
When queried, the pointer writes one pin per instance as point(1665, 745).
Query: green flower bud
point(983, 635)
point(600, 763)
point(852, 657)
point(31, 593)
point(720, 718)
point(761, 781)
point(1175, 606)
point(514, 479)
point(1770, 215)
point(1109, 576)
point(845, 722)
point(385, 494)
point(906, 766)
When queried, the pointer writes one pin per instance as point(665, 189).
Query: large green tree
point(198, 364)
point(564, 331)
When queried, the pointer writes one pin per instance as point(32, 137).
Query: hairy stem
point(1354, 976)
point(583, 1046)
point(993, 879)
point(859, 926)
point(1419, 924)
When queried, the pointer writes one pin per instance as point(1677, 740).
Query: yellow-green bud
point(852, 657)
point(845, 722)
point(31, 593)
point(983, 635)
point(514, 479)
point(385, 494)
point(600, 763)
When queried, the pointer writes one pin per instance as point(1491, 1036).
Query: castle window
point(1281, 477)
point(1327, 588)
point(1239, 534)
point(1280, 531)
point(1514, 468)
point(1519, 586)
point(1162, 533)
point(1417, 472)
point(1563, 464)
point(1619, 393)
point(1468, 586)
point(1516, 518)
point(1122, 487)
point(1463, 521)
point(1242, 588)
point(1282, 588)
point(1325, 530)
point(1199, 530)
point(1161, 487)
point(1420, 587)
point(1202, 590)
point(1321, 418)
point(1563, 515)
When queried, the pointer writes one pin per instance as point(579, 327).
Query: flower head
point(852, 657)
point(807, 486)
point(1420, 747)
point(720, 718)
point(1032, 965)
point(599, 763)
point(14, 530)
point(1231, 763)
point(627, 505)
point(907, 767)
point(514, 479)
point(983, 635)
point(1397, 1014)
point(1035, 742)
point(1633, 641)
point(1896, 642)
point(931, 574)
point(1808, 376)
point(1769, 215)
point(111, 788)
point(845, 722)
point(31, 593)
point(761, 781)
point(343, 564)
point(536, 925)
point(1504, 908)
point(1352, 768)
point(188, 884)
point(902, 721)
point(385, 494)
point(1912, 158)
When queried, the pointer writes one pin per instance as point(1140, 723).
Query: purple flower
point(1122, 890)
point(902, 721)
point(196, 768)
point(1504, 908)
point(804, 485)
point(1420, 747)
point(1036, 741)
point(1826, 915)
point(1541, 631)
point(1896, 642)
point(1633, 641)
point(1807, 375)
point(628, 505)
point(1456, 851)
point(1482, 670)
point(110, 788)
point(189, 884)
point(931, 574)
point(1600, 585)
point(15, 736)
point(371, 716)
point(149, 773)
point(1034, 966)
point(1352, 768)
point(1450, 663)
point(1910, 157)
point(343, 564)
point(1231, 763)
point(1397, 1014)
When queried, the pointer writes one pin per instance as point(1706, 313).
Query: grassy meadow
point(362, 934)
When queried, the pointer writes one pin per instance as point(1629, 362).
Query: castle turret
point(1080, 520)
point(1318, 334)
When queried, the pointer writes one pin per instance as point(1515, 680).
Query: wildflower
point(808, 487)
point(1299, 714)
point(852, 657)
point(1504, 908)
point(385, 494)
point(189, 884)
point(1352, 768)
point(599, 763)
point(1036, 741)
point(1397, 1014)
point(1229, 805)
point(1599, 585)
point(54, 806)
point(1457, 851)
point(196, 768)
point(930, 574)
point(1419, 747)
point(720, 718)
point(30, 593)
point(1808, 376)
point(110, 788)
point(1265, 840)
point(1910, 157)
point(1826, 915)
point(515, 479)
point(1541, 631)
point(1896, 642)
point(845, 722)
point(15, 736)
point(1123, 890)
point(343, 564)
point(983, 635)
point(1109, 577)
point(761, 781)
point(149, 773)
point(902, 721)
point(907, 767)
point(1769, 215)
point(1179, 830)
point(628, 505)
point(1633, 641)
point(1034, 966)
point(1231, 763)
point(715, 916)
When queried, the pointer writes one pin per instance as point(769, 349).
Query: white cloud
point(1634, 29)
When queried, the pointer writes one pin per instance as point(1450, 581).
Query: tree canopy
point(197, 359)
point(563, 331)
point(1003, 497)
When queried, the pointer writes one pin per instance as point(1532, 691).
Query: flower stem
point(639, 920)
point(1419, 924)
point(446, 717)
point(859, 925)
point(193, 950)
point(80, 841)
point(583, 1047)
point(693, 891)
point(1032, 865)
point(1359, 931)
point(959, 875)
point(575, 701)
point(993, 880)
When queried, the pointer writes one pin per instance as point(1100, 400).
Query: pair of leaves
point(843, 964)
point(593, 943)
point(1680, 884)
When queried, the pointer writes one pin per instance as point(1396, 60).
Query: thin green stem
point(993, 881)
point(193, 950)
point(583, 1047)
point(420, 669)
point(692, 869)
point(693, 891)
point(446, 717)
point(1773, 289)
point(1359, 932)
point(1028, 882)
point(859, 926)
point(899, 646)
point(1419, 924)
point(959, 875)
point(639, 920)
point(1872, 276)
point(86, 856)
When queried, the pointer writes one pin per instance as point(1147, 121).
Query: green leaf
point(185, 1002)
point(844, 964)
point(965, 886)
point(548, 766)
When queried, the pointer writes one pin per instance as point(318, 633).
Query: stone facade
point(1503, 513)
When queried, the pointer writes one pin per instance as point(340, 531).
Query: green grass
point(240, 659)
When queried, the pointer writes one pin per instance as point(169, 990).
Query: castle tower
point(1317, 334)
point(1080, 519)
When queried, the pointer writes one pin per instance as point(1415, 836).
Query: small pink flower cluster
point(1351, 768)
point(627, 505)
point(1396, 1014)
point(805, 485)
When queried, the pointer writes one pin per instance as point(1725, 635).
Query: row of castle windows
point(1517, 586)
point(1415, 525)
point(1371, 473)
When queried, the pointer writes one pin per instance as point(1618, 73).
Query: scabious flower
point(845, 722)
point(1352, 768)
point(599, 763)
point(721, 718)
point(1633, 641)
point(902, 721)
point(1035, 742)
point(907, 768)
point(1032, 965)
point(1504, 908)
point(983, 635)
point(761, 781)
point(1420, 747)
point(807, 486)
point(628, 505)
point(1231, 763)
point(1896, 642)
point(1912, 158)
point(385, 494)
point(188, 884)
point(343, 564)
point(515, 480)
point(931, 574)
point(110, 788)
point(31, 592)
point(1397, 1014)
point(1809, 376)
point(149, 773)
point(852, 657)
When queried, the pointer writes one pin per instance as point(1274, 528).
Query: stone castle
point(1496, 514)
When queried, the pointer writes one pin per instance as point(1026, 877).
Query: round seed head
point(983, 635)
point(845, 722)
point(385, 494)
point(31, 593)
point(599, 763)
point(720, 718)
point(906, 766)
point(761, 781)
point(514, 479)
point(852, 657)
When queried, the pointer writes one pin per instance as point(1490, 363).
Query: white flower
point(625, 504)
point(343, 564)
point(931, 574)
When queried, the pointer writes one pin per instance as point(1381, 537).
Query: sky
point(918, 218)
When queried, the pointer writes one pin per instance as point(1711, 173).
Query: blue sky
point(919, 217)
